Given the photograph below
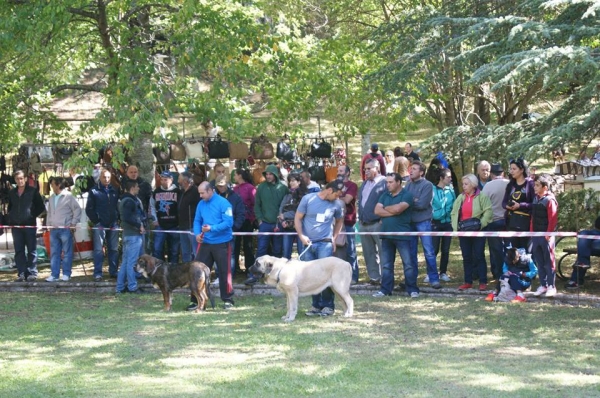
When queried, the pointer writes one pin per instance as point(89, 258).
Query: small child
point(519, 269)
point(544, 218)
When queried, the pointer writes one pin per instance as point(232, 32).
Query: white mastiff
point(302, 278)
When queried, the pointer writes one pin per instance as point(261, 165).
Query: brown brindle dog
point(167, 277)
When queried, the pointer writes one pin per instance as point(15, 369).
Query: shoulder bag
point(469, 224)
point(177, 151)
point(218, 149)
point(194, 148)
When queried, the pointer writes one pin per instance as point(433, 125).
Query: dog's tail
point(208, 292)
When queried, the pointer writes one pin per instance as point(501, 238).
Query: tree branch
point(96, 87)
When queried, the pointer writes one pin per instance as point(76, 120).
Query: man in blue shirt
point(314, 223)
point(213, 230)
point(394, 209)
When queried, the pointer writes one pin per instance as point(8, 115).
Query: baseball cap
point(374, 146)
point(166, 174)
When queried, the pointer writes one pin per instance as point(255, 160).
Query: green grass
point(73, 345)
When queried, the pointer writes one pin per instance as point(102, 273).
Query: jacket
point(247, 192)
point(145, 190)
point(482, 209)
point(422, 191)
point(132, 214)
point(188, 201)
point(269, 197)
point(66, 212)
point(163, 206)
point(367, 214)
point(24, 209)
point(237, 205)
point(217, 213)
point(101, 207)
point(443, 199)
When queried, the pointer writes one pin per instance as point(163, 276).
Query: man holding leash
point(316, 229)
point(213, 229)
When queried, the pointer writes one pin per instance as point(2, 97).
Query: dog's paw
point(288, 320)
point(348, 315)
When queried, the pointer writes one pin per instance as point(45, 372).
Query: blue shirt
point(217, 213)
point(319, 214)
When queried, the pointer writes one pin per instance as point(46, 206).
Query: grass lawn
point(73, 345)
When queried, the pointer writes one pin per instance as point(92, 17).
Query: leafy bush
point(577, 210)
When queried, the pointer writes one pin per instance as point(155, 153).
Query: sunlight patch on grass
point(515, 352)
point(571, 379)
point(90, 343)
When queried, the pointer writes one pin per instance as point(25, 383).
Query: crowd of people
point(398, 194)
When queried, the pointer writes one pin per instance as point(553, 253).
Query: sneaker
point(551, 291)
point(490, 297)
point(215, 283)
point(139, 290)
point(20, 278)
point(326, 311)
point(192, 307)
point(465, 286)
point(97, 279)
point(66, 278)
point(228, 305)
point(31, 278)
point(250, 281)
point(572, 285)
point(414, 295)
point(483, 287)
point(51, 279)
point(540, 290)
point(519, 299)
point(380, 294)
point(581, 265)
point(313, 312)
point(426, 279)
point(436, 285)
point(445, 277)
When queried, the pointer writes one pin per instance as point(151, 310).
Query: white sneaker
point(215, 282)
point(445, 277)
point(65, 278)
point(51, 279)
point(414, 295)
point(551, 291)
point(426, 279)
point(541, 290)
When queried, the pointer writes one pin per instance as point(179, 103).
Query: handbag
point(177, 151)
point(257, 173)
point(317, 173)
point(331, 172)
point(519, 221)
point(218, 149)
point(194, 148)
point(320, 149)
point(238, 150)
point(340, 240)
point(261, 148)
point(470, 224)
point(284, 152)
point(162, 155)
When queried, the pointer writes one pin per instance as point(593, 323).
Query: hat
point(374, 146)
point(166, 174)
point(496, 168)
point(220, 181)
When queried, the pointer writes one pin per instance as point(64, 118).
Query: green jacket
point(269, 197)
point(482, 209)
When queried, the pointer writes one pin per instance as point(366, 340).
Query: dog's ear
point(268, 265)
point(150, 263)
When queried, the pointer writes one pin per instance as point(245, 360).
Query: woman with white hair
point(472, 211)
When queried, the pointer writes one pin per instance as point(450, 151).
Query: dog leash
point(304, 251)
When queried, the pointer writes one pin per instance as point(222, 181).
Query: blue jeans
point(172, 240)
point(264, 240)
point(25, 238)
point(444, 242)
point(131, 251)
point(288, 244)
point(388, 257)
point(351, 251)
point(316, 251)
point(111, 238)
point(585, 249)
point(472, 250)
point(496, 247)
point(427, 244)
point(61, 240)
point(188, 246)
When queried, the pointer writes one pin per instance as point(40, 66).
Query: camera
point(511, 203)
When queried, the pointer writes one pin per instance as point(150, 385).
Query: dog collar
point(278, 275)
point(153, 271)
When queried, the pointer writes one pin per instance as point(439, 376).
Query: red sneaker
point(518, 299)
point(490, 297)
point(483, 287)
point(465, 286)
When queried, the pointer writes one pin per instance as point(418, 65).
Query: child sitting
point(519, 269)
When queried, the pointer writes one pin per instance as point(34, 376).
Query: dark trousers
point(219, 253)
point(442, 242)
point(247, 243)
point(543, 255)
point(496, 247)
point(473, 257)
point(24, 238)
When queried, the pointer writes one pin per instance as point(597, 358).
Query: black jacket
point(238, 207)
point(24, 209)
point(188, 202)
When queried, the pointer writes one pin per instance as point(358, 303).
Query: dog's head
point(146, 264)
point(263, 265)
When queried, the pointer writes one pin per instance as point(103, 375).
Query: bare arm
point(298, 224)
